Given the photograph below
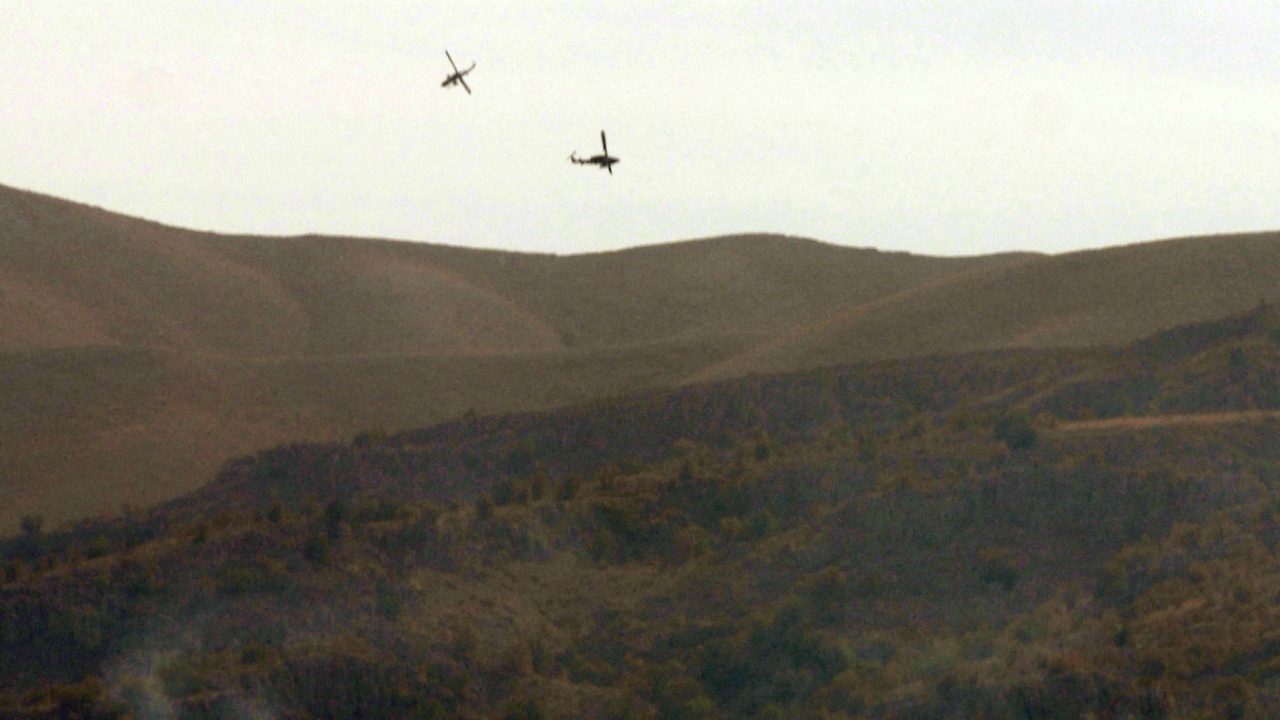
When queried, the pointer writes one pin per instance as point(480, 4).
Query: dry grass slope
point(136, 357)
point(1094, 297)
point(188, 348)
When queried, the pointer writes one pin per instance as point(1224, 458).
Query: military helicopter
point(457, 75)
point(605, 161)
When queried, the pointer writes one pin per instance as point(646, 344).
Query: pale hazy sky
point(935, 127)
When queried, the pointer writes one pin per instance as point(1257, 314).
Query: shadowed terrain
point(136, 358)
point(1023, 534)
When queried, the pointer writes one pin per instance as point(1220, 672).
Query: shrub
point(335, 513)
point(484, 508)
point(32, 524)
point(523, 710)
point(996, 566)
point(1015, 431)
point(538, 486)
point(504, 493)
point(568, 489)
point(317, 549)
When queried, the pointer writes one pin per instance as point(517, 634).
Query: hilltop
point(138, 357)
point(76, 275)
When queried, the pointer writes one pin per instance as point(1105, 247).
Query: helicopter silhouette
point(457, 75)
point(604, 160)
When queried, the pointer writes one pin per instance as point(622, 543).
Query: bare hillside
point(1106, 296)
point(743, 284)
point(137, 357)
point(76, 275)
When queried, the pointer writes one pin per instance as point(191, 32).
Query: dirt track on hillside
point(1145, 422)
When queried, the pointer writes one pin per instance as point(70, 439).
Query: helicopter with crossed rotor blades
point(456, 77)
point(604, 160)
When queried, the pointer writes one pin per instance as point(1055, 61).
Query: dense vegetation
point(952, 537)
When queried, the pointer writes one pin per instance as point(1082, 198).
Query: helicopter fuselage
point(604, 160)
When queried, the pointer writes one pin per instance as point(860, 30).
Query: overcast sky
point(950, 128)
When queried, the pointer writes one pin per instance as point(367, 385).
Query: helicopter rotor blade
point(604, 143)
point(451, 62)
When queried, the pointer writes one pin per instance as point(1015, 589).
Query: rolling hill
point(76, 275)
point(1092, 297)
point(138, 357)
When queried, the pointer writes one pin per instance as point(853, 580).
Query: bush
point(335, 513)
point(504, 492)
point(538, 486)
point(523, 710)
point(32, 524)
point(1016, 431)
point(484, 508)
point(568, 489)
point(996, 566)
point(317, 549)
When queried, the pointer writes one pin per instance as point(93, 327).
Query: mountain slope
point(318, 338)
point(917, 538)
point(1107, 296)
point(79, 275)
point(236, 343)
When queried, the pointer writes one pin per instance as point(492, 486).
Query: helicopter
point(457, 75)
point(604, 160)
